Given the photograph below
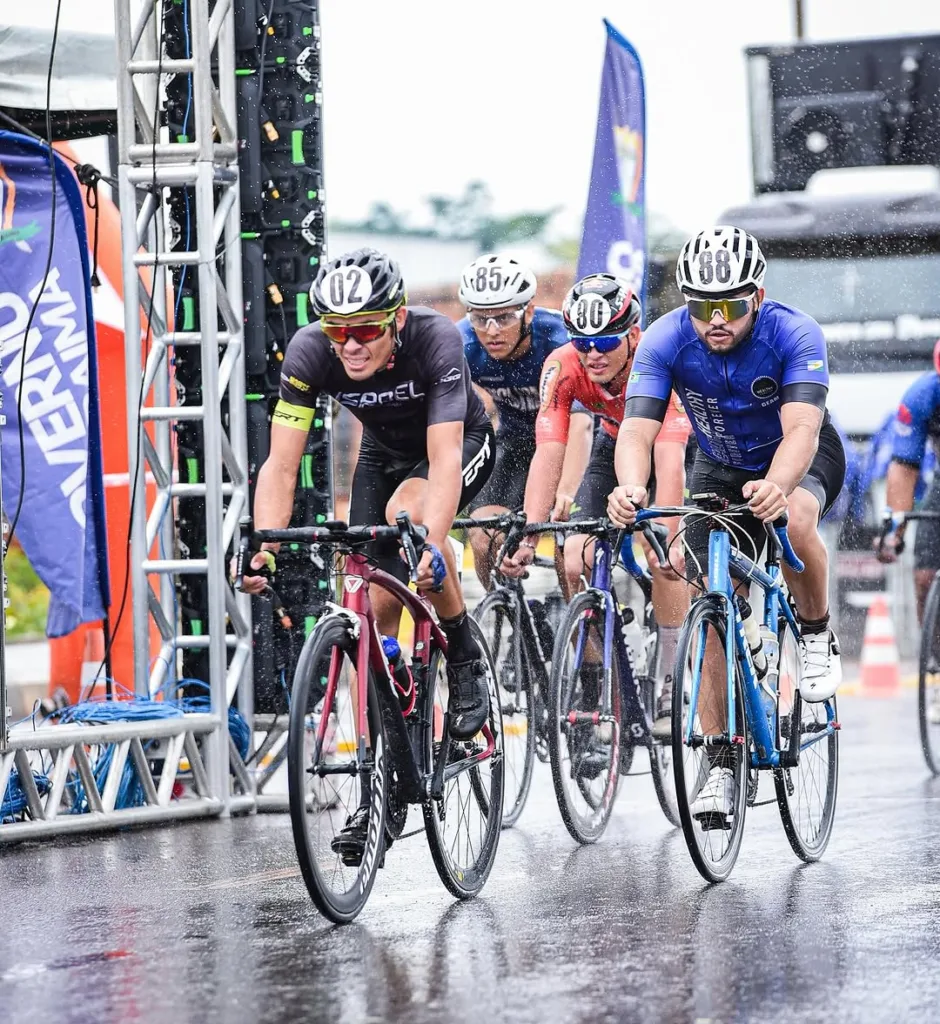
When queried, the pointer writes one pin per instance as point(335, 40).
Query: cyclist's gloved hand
point(432, 569)
point(766, 499)
point(263, 560)
point(623, 503)
point(888, 548)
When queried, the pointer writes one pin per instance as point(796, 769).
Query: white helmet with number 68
point(493, 281)
point(720, 260)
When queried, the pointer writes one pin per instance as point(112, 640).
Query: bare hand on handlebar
point(623, 503)
point(766, 499)
point(256, 585)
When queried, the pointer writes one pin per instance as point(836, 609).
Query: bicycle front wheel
point(584, 738)
point(710, 780)
point(464, 823)
point(500, 625)
point(806, 792)
point(322, 755)
point(928, 682)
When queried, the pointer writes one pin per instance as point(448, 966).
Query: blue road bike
point(725, 715)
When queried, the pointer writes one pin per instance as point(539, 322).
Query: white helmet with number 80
point(720, 260)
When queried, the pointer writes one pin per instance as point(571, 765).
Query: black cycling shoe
point(350, 841)
point(469, 701)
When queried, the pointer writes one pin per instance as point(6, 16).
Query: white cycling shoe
point(715, 801)
point(822, 666)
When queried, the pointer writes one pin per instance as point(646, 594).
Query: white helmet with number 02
point(493, 281)
point(719, 260)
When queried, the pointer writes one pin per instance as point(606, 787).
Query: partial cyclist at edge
point(753, 376)
point(427, 446)
point(507, 339)
point(916, 424)
point(602, 317)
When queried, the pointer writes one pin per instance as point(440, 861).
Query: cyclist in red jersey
point(602, 316)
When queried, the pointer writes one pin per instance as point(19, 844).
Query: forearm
point(793, 457)
point(901, 483)
point(274, 496)
point(542, 483)
point(632, 456)
point(577, 455)
point(443, 496)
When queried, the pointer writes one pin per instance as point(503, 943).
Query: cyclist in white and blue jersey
point(507, 339)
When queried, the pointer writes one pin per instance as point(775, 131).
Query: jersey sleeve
point(676, 426)
point(556, 395)
point(909, 433)
point(649, 386)
point(300, 373)
point(805, 360)
point(448, 376)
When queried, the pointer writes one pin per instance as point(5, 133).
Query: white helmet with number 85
point(493, 281)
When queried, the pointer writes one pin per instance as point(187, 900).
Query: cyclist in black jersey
point(427, 444)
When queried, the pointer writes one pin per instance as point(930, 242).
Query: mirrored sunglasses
point(730, 309)
point(602, 343)
point(480, 318)
point(363, 332)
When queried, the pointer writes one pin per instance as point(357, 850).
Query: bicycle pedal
point(713, 821)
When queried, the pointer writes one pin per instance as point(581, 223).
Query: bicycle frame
point(633, 712)
point(414, 774)
point(721, 560)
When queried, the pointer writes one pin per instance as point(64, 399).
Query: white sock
point(666, 655)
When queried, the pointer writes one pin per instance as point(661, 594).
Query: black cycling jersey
point(426, 381)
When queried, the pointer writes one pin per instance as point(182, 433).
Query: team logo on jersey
point(346, 290)
point(764, 387)
point(814, 364)
point(452, 374)
point(904, 415)
point(549, 380)
point(634, 377)
point(301, 385)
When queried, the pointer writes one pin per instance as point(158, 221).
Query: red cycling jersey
point(564, 380)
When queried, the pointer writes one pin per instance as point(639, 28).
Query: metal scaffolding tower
point(149, 164)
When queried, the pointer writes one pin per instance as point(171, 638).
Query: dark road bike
point(350, 729)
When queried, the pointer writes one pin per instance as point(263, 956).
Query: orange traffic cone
point(881, 665)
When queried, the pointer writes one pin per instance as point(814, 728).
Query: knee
point(574, 564)
point(804, 517)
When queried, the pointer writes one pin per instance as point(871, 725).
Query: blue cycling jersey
point(514, 383)
point(917, 420)
point(733, 400)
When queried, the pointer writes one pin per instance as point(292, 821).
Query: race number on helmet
point(600, 304)
point(364, 281)
point(720, 260)
point(492, 281)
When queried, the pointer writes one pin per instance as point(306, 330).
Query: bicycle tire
point(518, 756)
point(313, 665)
point(660, 752)
point(570, 745)
point(484, 784)
point(714, 861)
point(928, 679)
point(806, 793)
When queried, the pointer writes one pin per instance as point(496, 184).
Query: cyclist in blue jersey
point(507, 339)
point(753, 377)
point(917, 423)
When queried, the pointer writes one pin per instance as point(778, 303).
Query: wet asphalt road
point(210, 922)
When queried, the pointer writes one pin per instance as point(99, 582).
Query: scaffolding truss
point(150, 163)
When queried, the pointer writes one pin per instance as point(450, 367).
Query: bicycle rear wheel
point(928, 682)
point(463, 825)
point(497, 619)
point(806, 793)
point(327, 666)
point(584, 740)
point(712, 827)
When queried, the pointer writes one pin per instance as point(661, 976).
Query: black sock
point(460, 643)
point(810, 626)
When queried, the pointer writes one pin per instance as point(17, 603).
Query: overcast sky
point(422, 96)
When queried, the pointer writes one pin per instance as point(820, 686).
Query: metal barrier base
point(172, 754)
